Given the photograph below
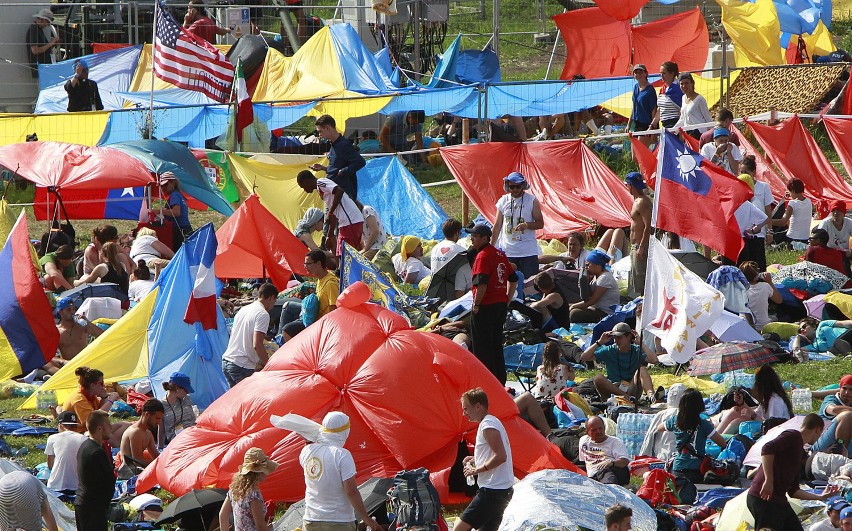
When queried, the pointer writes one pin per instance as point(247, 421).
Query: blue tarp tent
point(112, 70)
point(176, 346)
point(404, 207)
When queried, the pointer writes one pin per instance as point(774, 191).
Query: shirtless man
point(73, 337)
point(138, 437)
point(640, 232)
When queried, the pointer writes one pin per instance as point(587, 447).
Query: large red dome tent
point(401, 389)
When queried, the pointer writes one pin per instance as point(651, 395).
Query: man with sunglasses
point(518, 217)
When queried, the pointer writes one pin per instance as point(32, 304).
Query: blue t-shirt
point(644, 103)
point(620, 365)
point(826, 334)
point(182, 219)
point(830, 400)
point(686, 460)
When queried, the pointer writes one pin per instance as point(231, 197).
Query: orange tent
point(400, 388)
point(253, 243)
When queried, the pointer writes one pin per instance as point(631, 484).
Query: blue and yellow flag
point(28, 334)
point(384, 293)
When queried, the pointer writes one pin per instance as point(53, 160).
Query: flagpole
point(150, 119)
point(650, 263)
point(231, 101)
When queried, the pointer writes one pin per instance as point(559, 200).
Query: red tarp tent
point(572, 184)
point(400, 388)
point(74, 167)
point(840, 133)
point(599, 45)
point(794, 151)
point(253, 243)
point(765, 172)
point(621, 9)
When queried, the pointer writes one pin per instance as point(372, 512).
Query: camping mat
point(794, 90)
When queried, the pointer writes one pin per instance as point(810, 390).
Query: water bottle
point(471, 481)
point(802, 400)
point(40, 400)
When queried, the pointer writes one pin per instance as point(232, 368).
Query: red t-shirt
point(826, 256)
point(493, 268)
point(205, 28)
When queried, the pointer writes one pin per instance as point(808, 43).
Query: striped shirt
point(669, 102)
point(178, 414)
point(21, 500)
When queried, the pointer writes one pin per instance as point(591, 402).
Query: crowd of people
point(493, 269)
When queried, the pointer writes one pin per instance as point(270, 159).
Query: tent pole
point(553, 51)
point(149, 120)
point(465, 200)
point(417, 61)
point(496, 32)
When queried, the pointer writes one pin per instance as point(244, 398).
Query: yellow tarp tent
point(314, 73)
point(76, 128)
point(273, 177)
point(121, 353)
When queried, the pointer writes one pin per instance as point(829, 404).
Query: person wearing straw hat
point(518, 217)
point(41, 40)
point(332, 500)
point(244, 501)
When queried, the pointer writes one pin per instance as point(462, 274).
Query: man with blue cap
point(74, 330)
point(640, 232)
point(82, 92)
point(518, 217)
point(834, 508)
point(846, 519)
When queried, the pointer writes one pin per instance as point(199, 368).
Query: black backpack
point(414, 500)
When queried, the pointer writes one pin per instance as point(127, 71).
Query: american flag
point(188, 61)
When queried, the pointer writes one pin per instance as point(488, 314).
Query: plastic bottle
point(802, 400)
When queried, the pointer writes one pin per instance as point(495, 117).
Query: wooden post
point(465, 201)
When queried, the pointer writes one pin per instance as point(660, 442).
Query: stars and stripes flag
point(188, 61)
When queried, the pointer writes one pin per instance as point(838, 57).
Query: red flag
point(764, 170)
point(188, 61)
point(646, 159)
point(697, 200)
point(795, 152)
point(840, 133)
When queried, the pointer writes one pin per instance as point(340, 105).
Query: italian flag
point(245, 113)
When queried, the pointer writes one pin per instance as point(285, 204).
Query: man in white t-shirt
point(61, 452)
point(341, 212)
point(447, 249)
point(606, 457)
point(838, 227)
point(491, 462)
point(246, 353)
point(332, 499)
point(518, 217)
point(723, 153)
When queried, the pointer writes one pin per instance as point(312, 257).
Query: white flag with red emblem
point(678, 306)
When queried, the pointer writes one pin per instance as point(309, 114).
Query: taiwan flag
point(200, 249)
point(696, 199)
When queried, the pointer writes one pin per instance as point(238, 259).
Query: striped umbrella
point(726, 357)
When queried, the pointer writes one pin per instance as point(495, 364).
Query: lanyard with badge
point(510, 226)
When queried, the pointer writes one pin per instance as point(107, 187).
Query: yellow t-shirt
point(78, 403)
point(328, 287)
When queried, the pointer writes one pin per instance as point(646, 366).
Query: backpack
point(414, 500)
point(658, 488)
point(568, 441)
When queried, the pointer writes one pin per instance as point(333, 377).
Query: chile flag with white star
point(696, 199)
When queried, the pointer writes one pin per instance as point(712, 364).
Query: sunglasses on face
point(515, 187)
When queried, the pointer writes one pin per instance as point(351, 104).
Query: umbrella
point(814, 305)
point(726, 357)
point(100, 289)
point(731, 327)
point(374, 492)
point(192, 505)
point(695, 262)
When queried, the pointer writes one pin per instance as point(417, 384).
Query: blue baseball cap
point(181, 380)
point(61, 304)
point(598, 257)
point(83, 63)
point(720, 131)
point(635, 180)
point(837, 503)
point(846, 513)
